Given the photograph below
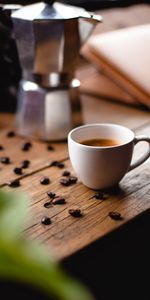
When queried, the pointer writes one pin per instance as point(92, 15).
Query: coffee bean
point(25, 164)
point(73, 179)
point(11, 134)
point(75, 212)
point(56, 163)
point(115, 215)
point(17, 171)
point(45, 180)
point(48, 204)
point(5, 160)
point(65, 181)
point(26, 146)
point(14, 183)
point(51, 195)
point(60, 165)
point(1, 147)
point(100, 196)
point(66, 173)
point(58, 200)
point(68, 181)
point(50, 148)
point(46, 220)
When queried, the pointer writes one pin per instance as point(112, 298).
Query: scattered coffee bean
point(65, 181)
point(56, 163)
point(68, 181)
point(50, 148)
point(17, 171)
point(46, 220)
point(48, 204)
point(115, 215)
point(45, 180)
point(1, 147)
point(58, 200)
point(66, 173)
point(100, 196)
point(73, 179)
point(26, 146)
point(75, 212)
point(51, 195)
point(5, 160)
point(14, 183)
point(11, 134)
point(29, 144)
point(60, 165)
point(25, 164)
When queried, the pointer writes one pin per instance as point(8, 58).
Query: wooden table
point(67, 236)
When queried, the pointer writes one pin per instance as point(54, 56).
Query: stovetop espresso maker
point(48, 36)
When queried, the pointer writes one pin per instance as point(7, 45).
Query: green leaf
point(28, 261)
point(13, 213)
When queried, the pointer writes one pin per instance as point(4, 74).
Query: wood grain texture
point(66, 234)
point(39, 156)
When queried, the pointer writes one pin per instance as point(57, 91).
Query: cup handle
point(145, 156)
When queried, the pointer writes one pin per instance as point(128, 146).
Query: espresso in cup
point(101, 142)
point(102, 154)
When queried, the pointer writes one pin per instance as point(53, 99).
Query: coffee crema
point(101, 142)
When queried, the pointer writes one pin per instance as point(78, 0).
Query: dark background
point(116, 267)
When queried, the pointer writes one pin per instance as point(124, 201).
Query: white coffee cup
point(100, 167)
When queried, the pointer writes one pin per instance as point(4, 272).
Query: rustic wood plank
point(66, 235)
point(38, 155)
point(94, 110)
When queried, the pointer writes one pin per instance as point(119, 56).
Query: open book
point(124, 57)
